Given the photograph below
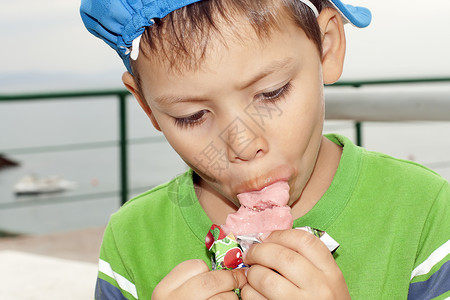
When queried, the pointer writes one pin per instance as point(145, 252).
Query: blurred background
point(64, 116)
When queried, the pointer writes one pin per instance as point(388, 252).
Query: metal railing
point(121, 95)
point(337, 108)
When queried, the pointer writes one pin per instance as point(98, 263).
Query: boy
point(237, 89)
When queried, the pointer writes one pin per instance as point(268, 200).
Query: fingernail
point(246, 271)
point(244, 254)
point(264, 236)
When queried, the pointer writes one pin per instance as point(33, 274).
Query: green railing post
point(358, 124)
point(123, 167)
point(358, 132)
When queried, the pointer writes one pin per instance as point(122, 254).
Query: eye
point(192, 120)
point(276, 94)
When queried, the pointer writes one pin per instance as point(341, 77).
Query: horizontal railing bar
point(58, 200)
point(60, 148)
point(387, 106)
point(62, 95)
point(81, 146)
point(68, 199)
point(145, 140)
point(359, 83)
point(437, 164)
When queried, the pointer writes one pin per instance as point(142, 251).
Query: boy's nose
point(244, 143)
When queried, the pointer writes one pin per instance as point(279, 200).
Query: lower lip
point(283, 173)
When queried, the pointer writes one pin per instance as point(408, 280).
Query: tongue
point(261, 211)
point(276, 194)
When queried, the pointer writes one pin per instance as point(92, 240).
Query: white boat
point(32, 184)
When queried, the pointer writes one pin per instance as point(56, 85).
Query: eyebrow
point(269, 69)
point(266, 71)
point(167, 100)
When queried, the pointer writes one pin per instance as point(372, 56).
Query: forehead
point(232, 66)
point(182, 41)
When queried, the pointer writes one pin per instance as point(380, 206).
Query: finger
point(225, 296)
point(270, 284)
point(292, 265)
point(306, 244)
point(248, 292)
point(213, 283)
point(182, 273)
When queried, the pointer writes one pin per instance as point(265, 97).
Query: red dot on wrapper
point(233, 258)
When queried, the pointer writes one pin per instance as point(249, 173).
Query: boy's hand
point(293, 264)
point(192, 279)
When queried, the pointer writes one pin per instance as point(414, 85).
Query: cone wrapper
point(226, 253)
point(226, 250)
point(246, 241)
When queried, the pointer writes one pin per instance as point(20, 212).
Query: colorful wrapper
point(331, 244)
point(246, 241)
point(226, 250)
point(226, 253)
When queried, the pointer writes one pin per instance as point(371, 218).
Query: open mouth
point(262, 206)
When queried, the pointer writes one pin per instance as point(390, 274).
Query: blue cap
point(356, 15)
point(120, 22)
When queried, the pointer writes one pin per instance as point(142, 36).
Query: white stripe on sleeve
point(435, 257)
point(123, 283)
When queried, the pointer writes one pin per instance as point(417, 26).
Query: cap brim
point(356, 15)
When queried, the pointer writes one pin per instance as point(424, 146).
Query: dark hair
point(182, 37)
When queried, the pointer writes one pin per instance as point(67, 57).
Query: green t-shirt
point(391, 218)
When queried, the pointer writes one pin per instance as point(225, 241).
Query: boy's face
point(250, 116)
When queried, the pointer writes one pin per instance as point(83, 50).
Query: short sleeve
point(113, 281)
point(430, 278)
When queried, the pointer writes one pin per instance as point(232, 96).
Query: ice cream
point(261, 211)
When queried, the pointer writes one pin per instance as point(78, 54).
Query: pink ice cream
point(261, 211)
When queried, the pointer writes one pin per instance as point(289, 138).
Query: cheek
point(186, 147)
point(303, 117)
point(182, 140)
point(200, 152)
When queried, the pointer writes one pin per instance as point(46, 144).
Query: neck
point(323, 173)
point(216, 206)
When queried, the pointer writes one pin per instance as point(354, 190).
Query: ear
point(333, 44)
point(130, 83)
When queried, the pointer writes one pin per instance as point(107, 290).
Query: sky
point(45, 41)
